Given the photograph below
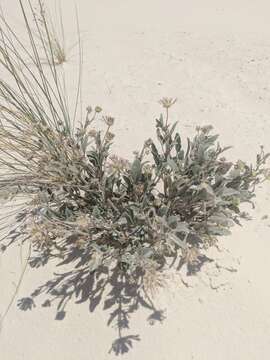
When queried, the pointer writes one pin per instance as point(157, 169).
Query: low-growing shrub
point(166, 204)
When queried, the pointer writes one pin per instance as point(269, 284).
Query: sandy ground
point(214, 56)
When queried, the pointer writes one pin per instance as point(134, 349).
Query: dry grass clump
point(52, 39)
point(101, 213)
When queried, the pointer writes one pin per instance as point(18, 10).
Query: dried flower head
point(92, 133)
point(118, 165)
point(240, 165)
point(167, 102)
point(206, 129)
point(109, 120)
point(139, 189)
point(83, 221)
point(109, 136)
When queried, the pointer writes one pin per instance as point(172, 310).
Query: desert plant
point(78, 203)
point(168, 203)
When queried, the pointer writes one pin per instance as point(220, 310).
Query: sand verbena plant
point(123, 220)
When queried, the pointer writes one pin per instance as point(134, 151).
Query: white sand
point(215, 57)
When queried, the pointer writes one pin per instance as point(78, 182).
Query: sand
point(214, 57)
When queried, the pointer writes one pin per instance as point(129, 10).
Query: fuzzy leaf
point(136, 170)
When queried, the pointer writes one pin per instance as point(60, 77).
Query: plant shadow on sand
point(110, 289)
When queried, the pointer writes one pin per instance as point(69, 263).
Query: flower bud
point(98, 109)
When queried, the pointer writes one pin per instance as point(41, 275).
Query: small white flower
point(167, 102)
